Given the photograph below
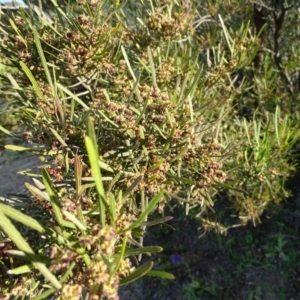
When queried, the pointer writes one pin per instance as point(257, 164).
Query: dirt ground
point(10, 165)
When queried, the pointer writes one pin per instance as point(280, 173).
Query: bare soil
point(10, 181)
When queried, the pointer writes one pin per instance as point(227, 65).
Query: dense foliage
point(132, 106)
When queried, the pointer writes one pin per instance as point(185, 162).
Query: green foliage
point(85, 246)
point(127, 102)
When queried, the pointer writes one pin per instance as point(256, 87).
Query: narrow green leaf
point(142, 132)
point(105, 166)
point(152, 67)
point(132, 187)
point(94, 162)
point(93, 158)
point(80, 215)
point(182, 179)
point(42, 58)
point(91, 133)
point(53, 198)
point(192, 88)
point(44, 295)
point(61, 14)
point(145, 66)
point(16, 29)
point(159, 131)
point(74, 220)
point(157, 221)
point(276, 119)
point(33, 257)
point(50, 291)
point(145, 213)
point(37, 192)
point(33, 81)
point(73, 96)
point(227, 36)
point(112, 202)
point(25, 149)
point(161, 274)
point(119, 257)
point(20, 242)
point(180, 154)
point(148, 249)
point(20, 217)
point(5, 131)
point(128, 63)
point(68, 224)
point(59, 138)
point(113, 182)
point(20, 270)
point(155, 167)
point(138, 273)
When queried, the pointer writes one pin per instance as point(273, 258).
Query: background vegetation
point(144, 111)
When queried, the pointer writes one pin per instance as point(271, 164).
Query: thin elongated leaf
point(138, 273)
point(132, 187)
point(78, 175)
point(182, 179)
point(107, 119)
point(38, 184)
point(42, 58)
point(91, 133)
point(20, 242)
point(73, 96)
point(145, 213)
point(157, 221)
point(33, 257)
point(93, 158)
point(20, 217)
point(128, 63)
point(14, 252)
point(119, 257)
point(161, 274)
point(159, 131)
point(113, 182)
point(37, 192)
point(53, 198)
point(229, 40)
point(59, 138)
point(50, 291)
point(105, 166)
point(91, 146)
point(155, 167)
point(33, 81)
point(112, 202)
point(276, 118)
point(145, 66)
point(180, 154)
point(80, 215)
point(16, 29)
point(20, 270)
point(25, 149)
point(142, 250)
point(5, 131)
point(74, 220)
point(44, 295)
point(152, 67)
point(92, 179)
point(190, 92)
point(60, 13)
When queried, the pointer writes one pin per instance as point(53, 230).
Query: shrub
point(137, 98)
